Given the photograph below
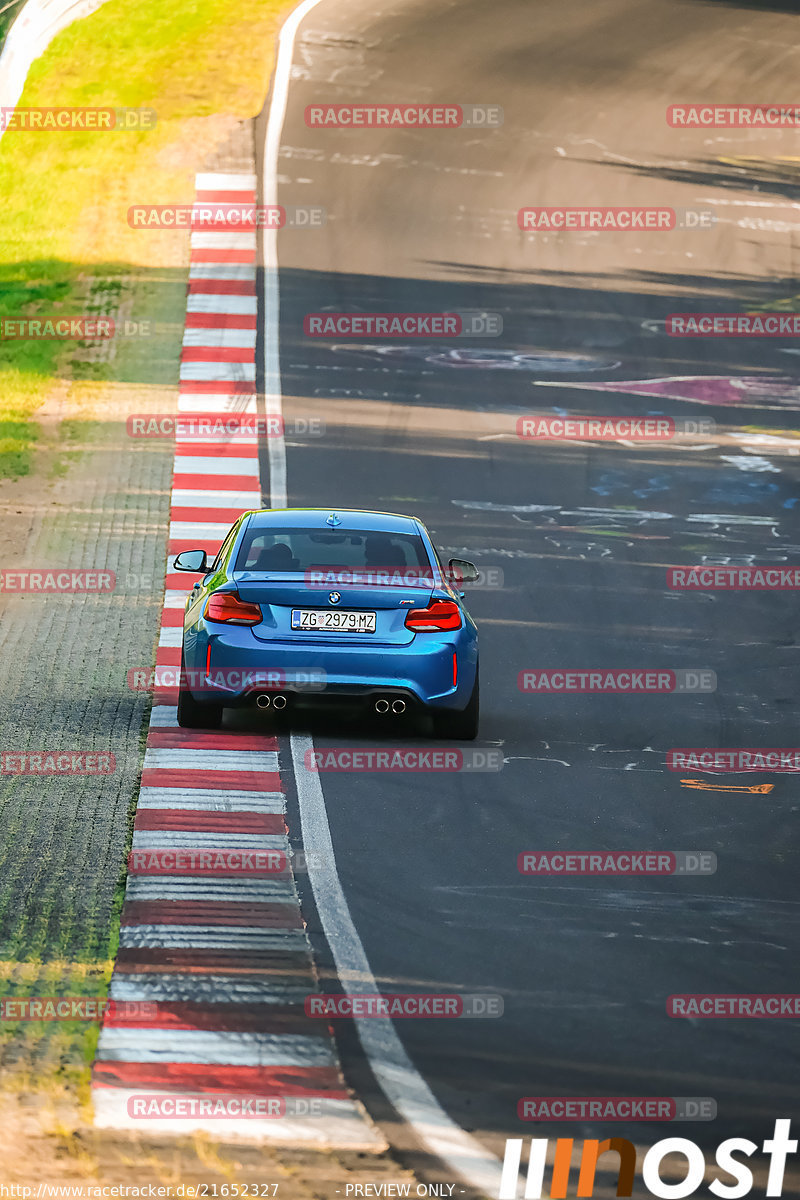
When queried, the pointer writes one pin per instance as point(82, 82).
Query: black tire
point(461, 726)
point(191, 713)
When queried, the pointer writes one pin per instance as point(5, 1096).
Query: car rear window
point(300, 549)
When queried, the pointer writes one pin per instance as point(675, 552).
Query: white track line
point(401, 1082)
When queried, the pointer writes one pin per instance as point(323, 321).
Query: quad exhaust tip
point(381, 706)
point(264, 701)
point(398, 707)
point(384, 706)
point(279, 702)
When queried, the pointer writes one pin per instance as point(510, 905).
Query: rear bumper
point(241, 667)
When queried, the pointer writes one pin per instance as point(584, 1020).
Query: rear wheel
point(462, 726)
point(191, 713)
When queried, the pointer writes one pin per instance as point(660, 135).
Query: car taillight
point(228, 608)
point(440, 614)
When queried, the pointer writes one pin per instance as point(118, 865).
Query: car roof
point(317, 518)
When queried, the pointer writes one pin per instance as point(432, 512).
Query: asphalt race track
point(425, 220)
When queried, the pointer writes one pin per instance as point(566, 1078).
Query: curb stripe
point(223, 958)
point(230, 280)
point(247, 781)
point(230, 256)
point(214, 989)
point(227, 514)
point(228, 331)
point(210, 937)
point(287, 1079)
point(206, 740)
point(235, 501)
point(203, 821)
point(202, 305)
point(186, 478)
point(148, 1045)
point(187, 463)
point(214, 962)
point(231, 800)
point(221, 760)
point(214, 353)
point(263, 889)
point(212, 912)
point(217, 370)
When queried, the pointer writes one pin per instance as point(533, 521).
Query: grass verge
point(63, 221)
point(66, 249)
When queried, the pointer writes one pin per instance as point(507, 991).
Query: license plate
point(339, 620)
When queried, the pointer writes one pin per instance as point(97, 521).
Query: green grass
point(66, 194)
point(64, 238)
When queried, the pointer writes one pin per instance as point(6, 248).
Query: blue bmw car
point(306, 605)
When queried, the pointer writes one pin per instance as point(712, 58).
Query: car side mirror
point(192, 560)
point(461, 571)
